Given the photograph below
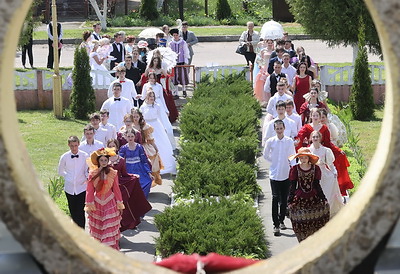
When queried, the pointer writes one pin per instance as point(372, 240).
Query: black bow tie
point(117, 99)
point(74, 156)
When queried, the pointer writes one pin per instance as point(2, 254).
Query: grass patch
point(46, 139)
point(291, 28)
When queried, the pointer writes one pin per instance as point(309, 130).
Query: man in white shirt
point(90, 144)
point(72, 166)
point(290, 126)
point(117, 106)
point(281, 95)
point(96, 32)
point(101, 134)
point(277, 151)
point(291, 115)
point(270, 86)
point(112, 131)
point(128, 89)
point(288, 69)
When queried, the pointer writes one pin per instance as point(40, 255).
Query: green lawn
point(46, 139)
point(291, 28)
point(368, 132)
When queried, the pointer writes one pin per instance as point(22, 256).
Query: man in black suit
point(134, 70)
point(96, 31)
point(50, 57)
point(118, 51)
point(279, 54)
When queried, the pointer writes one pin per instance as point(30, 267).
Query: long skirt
point(136, 204)
point(308, 215)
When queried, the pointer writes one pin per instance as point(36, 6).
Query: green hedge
point(219, 140)
point(219, 145)
point(228, 227)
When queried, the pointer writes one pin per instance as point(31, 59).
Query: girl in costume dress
point(136, 204)
point(128, 124)
point(163, 79)
point(99, 72)
point(86, 41)
point(307, 204)
point(341, 162)
point(329, 181)
point(149, 145)
point(312, 101)
point(301, 85)
point(260, 68)
point(152, 115)
point(136, 161)
point(164, 113)
point(104, 200)
point(332, 121)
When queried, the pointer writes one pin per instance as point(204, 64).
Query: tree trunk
point(355, 53)
point(102, 17)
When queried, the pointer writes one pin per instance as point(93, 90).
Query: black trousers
point(50, 57)
point(250, 57)
point(280, 192)
point(76, 204)
point(27, 49)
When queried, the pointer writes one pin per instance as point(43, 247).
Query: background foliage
point(335, 21)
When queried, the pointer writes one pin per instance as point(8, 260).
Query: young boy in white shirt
point(112, 131)
point(292, 115)
point(72, 166)
point(90, 144)
point(290, 126)
point(277, 150)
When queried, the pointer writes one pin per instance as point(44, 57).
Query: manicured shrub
point(228, 227)
point(82, 96)
point(223, 178)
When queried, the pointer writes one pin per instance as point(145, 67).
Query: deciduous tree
point(335, 21)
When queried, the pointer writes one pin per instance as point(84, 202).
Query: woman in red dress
point(301, 85)
point(341, 162)
point(312, 101)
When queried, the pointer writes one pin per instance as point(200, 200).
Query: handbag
point(241, 49)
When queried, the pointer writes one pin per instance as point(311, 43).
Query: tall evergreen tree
point(361, 97)
point(223, 10)
point(83, 100)
point(148, 9)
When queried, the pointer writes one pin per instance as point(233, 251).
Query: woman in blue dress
point(136, 161)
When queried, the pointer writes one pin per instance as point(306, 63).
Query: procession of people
point(134, 136)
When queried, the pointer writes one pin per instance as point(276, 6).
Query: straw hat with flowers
point(101, 152)
point(304, 151)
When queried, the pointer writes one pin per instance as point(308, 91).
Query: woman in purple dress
point(136, 204)
point(137, 161)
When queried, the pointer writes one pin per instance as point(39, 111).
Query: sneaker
point(282, 226)
point(277, 231)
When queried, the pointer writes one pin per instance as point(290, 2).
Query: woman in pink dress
point(260, 69)
point(104, 203)
point(301, 85)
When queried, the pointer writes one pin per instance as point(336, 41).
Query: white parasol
point(168, 57)
point(271, 30)
point(149, 33)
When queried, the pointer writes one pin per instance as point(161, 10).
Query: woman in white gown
point(158, 92)
point(328, 181)
point(99, 72)
point(151, 111)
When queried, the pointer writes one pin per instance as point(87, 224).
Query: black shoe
point(282, 226)
point(184, 94)
point(176, 97)
point(277, 232)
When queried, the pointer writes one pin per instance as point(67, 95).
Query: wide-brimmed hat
point(101, 152)
point(142, 44)
point(304, 151)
